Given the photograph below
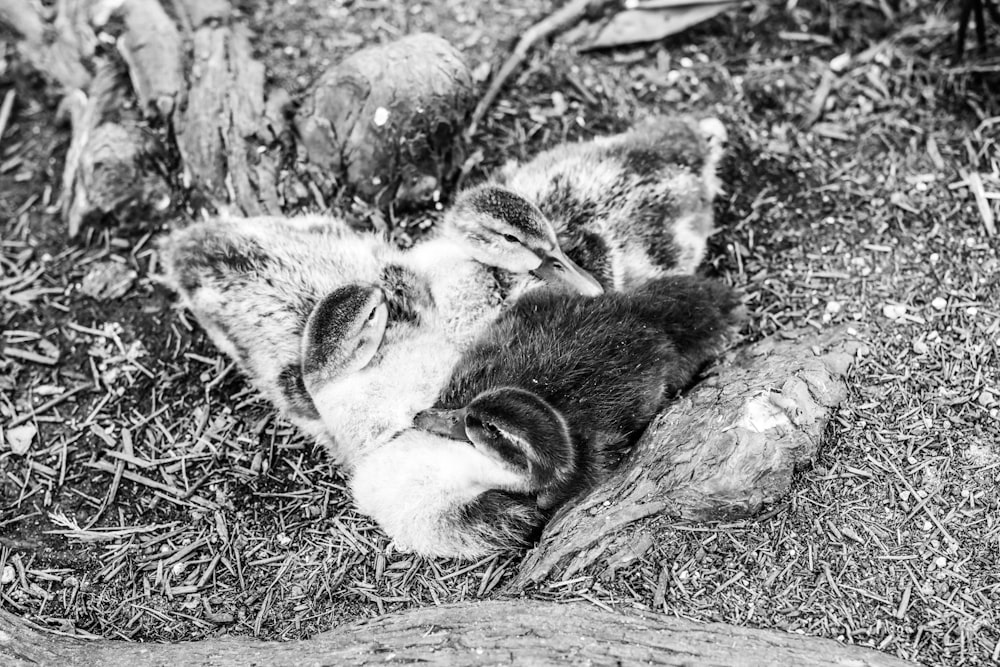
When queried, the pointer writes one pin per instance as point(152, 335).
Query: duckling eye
point(510, 238)
point(557, 265)
point(489, 428)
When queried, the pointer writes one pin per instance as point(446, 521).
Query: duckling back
point(252, 283)
point(633, 206)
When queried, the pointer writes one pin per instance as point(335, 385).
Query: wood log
point(154, 51)
point(59, 48)
point(229, 143)
point(484, 633)
point(723, 452)
point(111, 167)
point(386, 120)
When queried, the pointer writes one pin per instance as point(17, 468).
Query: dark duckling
point(541, 407)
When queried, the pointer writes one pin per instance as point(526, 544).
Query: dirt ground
point(162, 500)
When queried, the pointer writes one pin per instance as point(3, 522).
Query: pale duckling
point(367, 378)
point(538, 410)
point(632, 206)
point(251, 283)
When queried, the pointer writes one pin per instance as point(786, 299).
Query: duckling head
point(503, 229)
point(343, 333)
point(520, 433)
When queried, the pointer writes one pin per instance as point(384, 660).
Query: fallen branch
point(484, 633)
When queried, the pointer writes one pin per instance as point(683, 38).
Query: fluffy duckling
point(632, 206)
point(367, 379)
point(252, 283)
point(540, 408)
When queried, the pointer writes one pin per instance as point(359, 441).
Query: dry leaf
point(645, 24)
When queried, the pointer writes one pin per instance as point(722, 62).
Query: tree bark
point(723, 452)
point(483, 633)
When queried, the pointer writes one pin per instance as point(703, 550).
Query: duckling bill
point(541, 407)
point(505, 230)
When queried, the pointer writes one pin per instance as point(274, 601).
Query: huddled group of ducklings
point(476, 382)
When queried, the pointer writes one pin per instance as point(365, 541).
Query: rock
point(894, 311)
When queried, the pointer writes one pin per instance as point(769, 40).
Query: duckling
point(252, 283)
point(500, 228)
point(540, 408)
point(368, 379)
point(632, 206)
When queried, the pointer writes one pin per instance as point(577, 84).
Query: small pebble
point(894, 311)
point(840, 63)
point(20, 438)
point(8, 575)
point(833, 307)
point(920, 347)
point(381, 116)
point(940, 561)
point(939, 303)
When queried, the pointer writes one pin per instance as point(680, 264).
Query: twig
point(818, 102)
point(566, 16)
point(979, 193)
point(48, 405)
point(5, 109)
